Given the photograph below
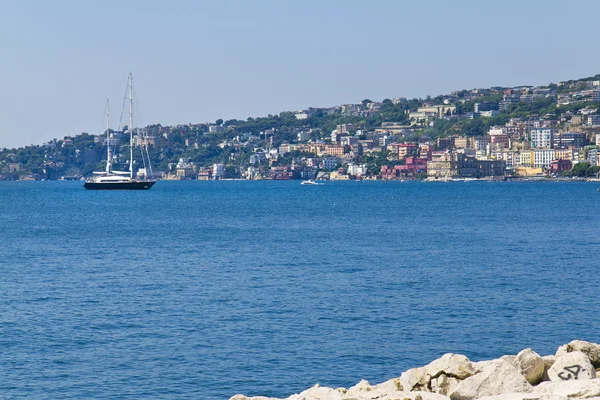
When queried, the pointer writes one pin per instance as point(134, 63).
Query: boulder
point(318, 392)
point(376, 395)
point(592, 350)
point(548, 362)
point(531, 365)
point(454, 367)
point(443, 384)
point(571, 366)
point(390, 386)
point(510, 359)
point(499, 377)
point(415, 379)
point(524, 396)
point(360, 387)
point(583, 389)
point(480, 365)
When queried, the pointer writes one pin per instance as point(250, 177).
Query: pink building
point(559, 166)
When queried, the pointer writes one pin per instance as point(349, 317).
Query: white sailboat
point(119, 180)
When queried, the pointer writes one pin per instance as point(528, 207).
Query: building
point(461, 142)
point(357, 170)
point(569, 139)
point(218, 171)
point(445, 143)
point(485, 106)
point(479, 143)
point(498, 139)
point(402, 150)
point(560, 166)
point(593, 120)
point(331, 163)
point(411, 169)
point(542, 158)
point(204, 174)
point(453, 165)
point(542, 137)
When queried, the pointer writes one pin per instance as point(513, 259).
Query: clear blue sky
point(196, 61)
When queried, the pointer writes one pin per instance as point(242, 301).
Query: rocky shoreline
point(572, 373)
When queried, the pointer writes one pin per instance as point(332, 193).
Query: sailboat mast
point(130, 125)
point(107, 138)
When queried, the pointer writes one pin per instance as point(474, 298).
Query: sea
point(202, 290)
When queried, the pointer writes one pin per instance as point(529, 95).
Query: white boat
point(120, 180)
point(310, 182)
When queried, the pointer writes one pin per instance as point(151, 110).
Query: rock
point(443, 384)
point(530, 365)
point(524, 396)
point(415, 379)
point(318, 392)
point(376, 395)
point(571, 366)
point(592, 350)
point(510, 360)
point(583, 389)
point(242, 397)
point(391, 386)
point(480, 365)
point(548, 362)
point(362, 386)
point(499, 377)
point(454, 367)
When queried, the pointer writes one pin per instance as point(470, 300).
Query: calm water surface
point(202, 290)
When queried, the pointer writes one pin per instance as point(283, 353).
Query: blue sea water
point(201, 290)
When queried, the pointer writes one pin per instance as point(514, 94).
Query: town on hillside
point(495, 133)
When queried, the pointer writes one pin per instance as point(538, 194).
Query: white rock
point(584, 389)
point(318, 392)
point(524, 396)
point(480, 365)
point(571, 366)
point(510, 360)
point(495, 379)
point(444, 384)
point(362, 386)
point(390, 386)
point(415, 379)
point(375, 395)
point(242, 397)
point(592, 350)
point(530, 365)
point(454, 365)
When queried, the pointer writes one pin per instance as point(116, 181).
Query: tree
point(584, 169)
point(219, 121)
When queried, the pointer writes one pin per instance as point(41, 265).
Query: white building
point(542, 137)
point(542, 158)
point(357, 169)
point(593, 119)
point(218, 171)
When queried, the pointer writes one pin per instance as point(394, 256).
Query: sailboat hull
point(138, 185)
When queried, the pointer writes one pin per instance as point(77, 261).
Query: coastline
point(573, 372)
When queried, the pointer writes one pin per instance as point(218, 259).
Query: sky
point(198, 61)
